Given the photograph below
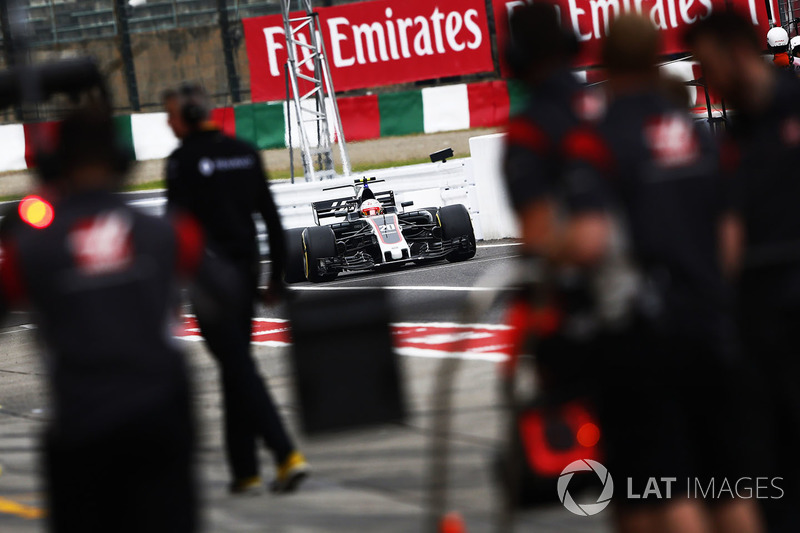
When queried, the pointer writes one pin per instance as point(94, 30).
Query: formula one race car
point(374, 234)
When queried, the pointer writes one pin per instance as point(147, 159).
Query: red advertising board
point(589, 20)
point(382, 42)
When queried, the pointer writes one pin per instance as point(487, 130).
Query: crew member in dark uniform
point(560, 231)
point(760, 156)
point(220, 181)
point(102, 280)
point(670, 369)
point(539, 52)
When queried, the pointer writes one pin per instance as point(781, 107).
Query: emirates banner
point(590, 19)
point(382, 42)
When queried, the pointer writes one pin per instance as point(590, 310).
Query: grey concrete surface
point(371, 480)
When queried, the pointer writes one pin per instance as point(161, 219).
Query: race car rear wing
point(341, 207)
point(338, 207)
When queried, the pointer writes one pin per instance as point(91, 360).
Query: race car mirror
point(346, 373)
point(442, 155)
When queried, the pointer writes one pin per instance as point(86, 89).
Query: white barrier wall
point(475, 182)
point(497, 217)
point(427, 185)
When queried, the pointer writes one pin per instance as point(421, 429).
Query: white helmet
point(794, 43)
point(777, 37)
point(371, 208)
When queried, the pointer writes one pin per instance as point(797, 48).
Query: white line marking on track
point(500, 245)
point(147, 202)
point(402, 288)
point(437, 354)
point(450, 325)
point(145, 191)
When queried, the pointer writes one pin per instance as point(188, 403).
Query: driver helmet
point(794, 44)
point(371, 208)
point(778, 38)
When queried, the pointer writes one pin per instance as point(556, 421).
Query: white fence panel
point(427, 185)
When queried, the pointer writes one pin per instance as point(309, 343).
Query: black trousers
point(675, 406)
point(770, 336)
point(127, 482)
point(250, 412)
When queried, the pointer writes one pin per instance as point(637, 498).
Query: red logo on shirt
point(588, 106)
point(790, 132)
point(102, 244)
point(672, 141)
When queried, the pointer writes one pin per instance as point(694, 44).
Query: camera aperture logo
point(586, 509)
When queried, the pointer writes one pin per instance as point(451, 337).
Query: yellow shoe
point(291, 473)
point(248, 485)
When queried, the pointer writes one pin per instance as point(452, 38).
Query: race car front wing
point(364, 261)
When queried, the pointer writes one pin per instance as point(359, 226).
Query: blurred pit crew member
point(764, 143)
point(102, 279)
point(670, 369)
point(220, 180)
point(560, 232)
point(778, 43)
point(794, 47)
point(538, 53)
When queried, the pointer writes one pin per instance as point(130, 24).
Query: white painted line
point(145, 191)
point(267, 319)
point(400, 288)
point(499, 245)
point(148, 202)
point(450, 325)
point(437, 354)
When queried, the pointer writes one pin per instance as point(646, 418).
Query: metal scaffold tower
point(303, 34)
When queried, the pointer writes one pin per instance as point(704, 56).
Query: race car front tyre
point(455, 222)
point(295, 270)
point(319, 242)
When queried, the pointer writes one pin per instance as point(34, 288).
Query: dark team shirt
point(660, 173)
point(533, 162)
point(101, 280)
point(220, 180)
point(762, 158)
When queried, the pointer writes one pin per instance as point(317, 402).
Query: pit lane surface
point(434, 292)
point(372, 480)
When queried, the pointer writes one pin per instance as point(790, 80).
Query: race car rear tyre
point(295, 270)
point(319, 242)
point(455, 222)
